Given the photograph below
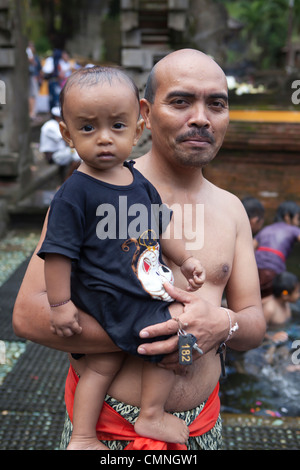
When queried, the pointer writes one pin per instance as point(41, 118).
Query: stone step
point(153, 5)
point(146, 39)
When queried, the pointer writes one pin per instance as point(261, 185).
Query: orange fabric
point(111, 426)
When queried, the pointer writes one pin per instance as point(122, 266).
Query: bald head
point(181, 60)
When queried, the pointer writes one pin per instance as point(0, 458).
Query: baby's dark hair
point(290, 208)
point(253, 207)
point(284, 283)
point(93, 75)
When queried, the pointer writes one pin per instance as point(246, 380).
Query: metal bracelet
point(232, 329)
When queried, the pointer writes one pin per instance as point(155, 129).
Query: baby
point(101, 257)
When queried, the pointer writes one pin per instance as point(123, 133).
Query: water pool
point(261, 381)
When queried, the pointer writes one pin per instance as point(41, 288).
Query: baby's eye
point(118, 125)
point(87, 128)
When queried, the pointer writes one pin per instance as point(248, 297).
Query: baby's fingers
point(195, 283)
point(66, 331)
point(76, 328)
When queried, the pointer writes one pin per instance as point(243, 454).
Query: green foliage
point(265, 26)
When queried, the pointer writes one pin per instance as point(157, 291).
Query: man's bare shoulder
point(229, 207)
point(227, 200)
point(141, 163)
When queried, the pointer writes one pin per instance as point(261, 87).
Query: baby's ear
point(65, 133)
point(139, 130)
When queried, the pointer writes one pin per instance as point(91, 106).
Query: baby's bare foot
point(85, 443)
point(166, 428)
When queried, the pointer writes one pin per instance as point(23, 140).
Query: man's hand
point(208, 323)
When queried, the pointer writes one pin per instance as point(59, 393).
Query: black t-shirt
point(111, 233)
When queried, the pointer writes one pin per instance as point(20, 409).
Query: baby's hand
point(64, 320)
point(194, 272)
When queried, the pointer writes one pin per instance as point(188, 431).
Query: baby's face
point(101, 122)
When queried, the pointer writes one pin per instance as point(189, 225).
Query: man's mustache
point(201, 133)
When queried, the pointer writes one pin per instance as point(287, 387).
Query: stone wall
point(93, 39)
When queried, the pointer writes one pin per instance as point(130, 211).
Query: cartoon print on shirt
point(148, 268)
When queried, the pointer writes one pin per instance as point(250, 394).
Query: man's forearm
point(31, 315)
point(251, 332)
point(31, 321)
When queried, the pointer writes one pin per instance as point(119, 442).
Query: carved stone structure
point(19, 176)
point(149, 31)
point(14, 122)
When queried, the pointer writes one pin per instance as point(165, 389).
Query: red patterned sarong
point(112, 426)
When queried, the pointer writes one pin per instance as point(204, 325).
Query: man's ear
point(139, 130)
point(65, 133)
point(145, 112)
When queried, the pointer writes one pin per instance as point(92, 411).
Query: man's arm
point(32, 313)
point(243, 291)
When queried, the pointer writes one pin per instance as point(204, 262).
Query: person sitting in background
point(286, 290)
point(53, 146)
point(256, 213)
point(277, 312)
point(274, 243)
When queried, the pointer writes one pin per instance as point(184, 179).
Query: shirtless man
point(186, 109)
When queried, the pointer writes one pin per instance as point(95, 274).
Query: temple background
point(259, 157)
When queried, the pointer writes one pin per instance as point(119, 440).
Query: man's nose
point(199, 116)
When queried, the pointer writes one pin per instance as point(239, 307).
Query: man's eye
point(87, 128)
point(179, 102)
point(218, 104)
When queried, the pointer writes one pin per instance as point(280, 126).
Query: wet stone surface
point(15, 247)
